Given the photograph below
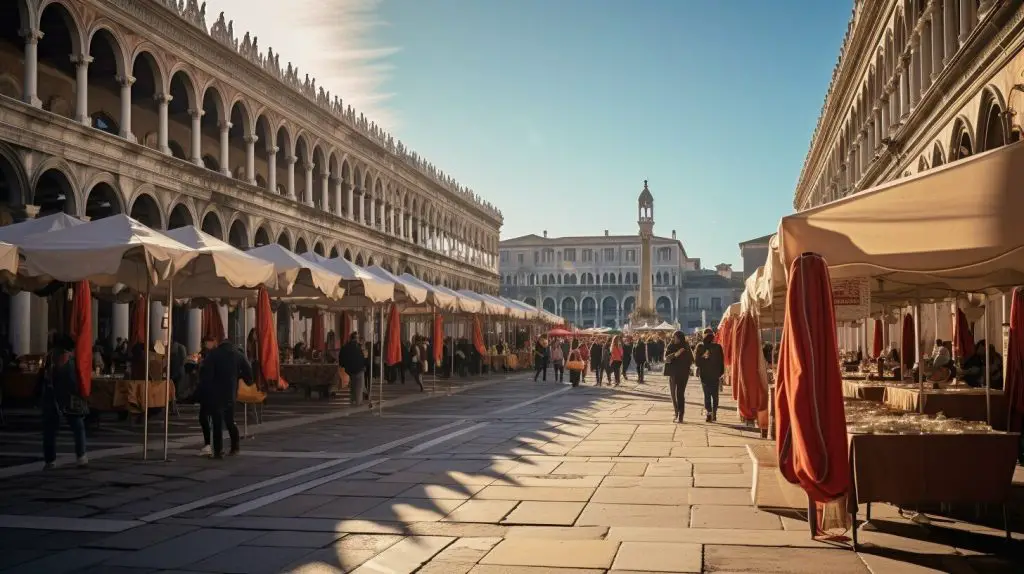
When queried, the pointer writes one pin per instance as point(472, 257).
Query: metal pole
point(917, 358)
point(380, 362)
point(145, 396)
point(167, 355)
point(988, 370)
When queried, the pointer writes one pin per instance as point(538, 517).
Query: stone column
point(126, 107)
point(291, 176)
point(325, 204)
point(82, 62)
point(195, 330)
point(338, 187)
point(307, 193)
point(272, 169)
point(225, 149)
point(250, 158)
point(905, 87)
point(373, 212)
point(925, 52)
point(884, 116)
point(349, 199)
point(197, 137)
point(949, 27)
point(120, 321)
point(162, 102)
point(915, 71)
point(20, 323)
point(966, 21)
point(401, 224)
point(31, 82)
point(938, 38)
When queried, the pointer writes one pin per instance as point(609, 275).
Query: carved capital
point(292, 160)
point(125, 81)
point(81, 60)
point(31, 35)
point(196, 114)
point(272, 150)
point(224, 125)
point(251, 139)
point(309, 166)
point(163, 98)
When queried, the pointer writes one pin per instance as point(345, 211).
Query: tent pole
point(145, 397)
point(380, 370)
point(917, 357)
point(988, 369)
point(167, 354)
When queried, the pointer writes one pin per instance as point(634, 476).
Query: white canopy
point(8, 258)
point(952, 229)
point(524, 311)
point(297, 276)
point(487, 307)
point(220, 271)
point(435, 297)
point(107, 251)
point(406, 292)
point(665, 326)
point(15, 233)
point(362, 288)
point(464, 303)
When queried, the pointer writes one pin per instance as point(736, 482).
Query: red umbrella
point(559, 332)
point(478, 337)
point(213, 324)
point(319, 341)
point(1015, 363)
point(909, 350)
point(438, 338)
point(266, 342)
point(749, 382)
point(963, 340)
point(876, 346)
point(393, 351)
point(81, 332)
point(812, 443)
point(139, 316)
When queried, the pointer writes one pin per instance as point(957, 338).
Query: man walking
point(219, 374)
point(710, 361)
point(352, 360)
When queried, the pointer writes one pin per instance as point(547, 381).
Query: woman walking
point(62, 398)
point(678, 360)
point(640, 356)
point(417, 361)
point(540, 358)
point(616, 359)
point(558, 362)
point(597, 360)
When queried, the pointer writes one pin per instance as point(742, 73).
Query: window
point(569, 255)
point(716, 303)
point(609, 254)
point(631, 256)
point(520, 257)
point(693, 304)
point(536, 257)
point(588, 255)
point(105, 123)
point(504, 256)
point(664, 254)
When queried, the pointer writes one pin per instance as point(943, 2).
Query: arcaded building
point(140, 107)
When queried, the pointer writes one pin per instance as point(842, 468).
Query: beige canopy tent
point(8, 259)
point(412, 297)
point(220, 270)
point(362, 288)
point(435, 297)
point(15, 233)
point(298, 277)
point(948, 230)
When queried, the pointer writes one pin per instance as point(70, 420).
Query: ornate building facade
point(139, 107)
point(919, 83)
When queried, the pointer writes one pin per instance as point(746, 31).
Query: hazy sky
point(557, 110)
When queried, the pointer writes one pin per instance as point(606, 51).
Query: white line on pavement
point(297, 489)
point(445, 438)
point(531, 401)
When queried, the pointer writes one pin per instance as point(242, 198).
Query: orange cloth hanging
point(393, 351)
point(478, 337)
point(139, 316)
point(876, 345)
point(438, 338)
point(213, 325)
point(750, 381)
point(812, 440)
point(266, 342)
point(963, 340)
point(81, 332)
point(909, 351)
point(319, 341)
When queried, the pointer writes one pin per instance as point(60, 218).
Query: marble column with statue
point(644, 313)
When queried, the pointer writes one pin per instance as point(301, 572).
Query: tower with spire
point(644, 312)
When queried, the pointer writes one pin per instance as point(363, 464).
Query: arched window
point(103, 122)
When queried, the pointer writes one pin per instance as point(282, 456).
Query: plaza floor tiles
point(339, 507)
point(646, 481)
point(641, 448)
point(435, 491)
point(584, 468)
point(669, 469)
point(658, 557)
point(545, 513)
point(411, 510)
point(665, 496)
point(783, 560)
point(744, 517)
point(723, 480)
point(482, 511)
point(406, 556)
point(598, 514)
point(567, 494)
point(552, 553)
point(721, 496)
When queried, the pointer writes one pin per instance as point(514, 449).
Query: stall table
point(127, 395)
point(966, 403)
point(321, 377)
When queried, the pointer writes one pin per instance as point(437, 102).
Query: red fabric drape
point(1015, 363)
point(963, 339)
point(438, 338)
point(478, 337)
point(812, 443)
point(139, 316)
point(213, 324)
point(877, 343)
point(319, 341)
point(345, 326)
point(748, 380)
point(393, 350)
point(266, 342)
point(81, 332)
point(908, 353)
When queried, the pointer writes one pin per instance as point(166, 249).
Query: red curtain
point(812, 442)
point(724, 338)
point(749, 385)
point(438, 338)
point(81, 332)
point(909, 351)
point(213, 325)
point(478, 337)
point(139, 316)
point(266, 340)
point(1015, 363)
point(876, 346)
point(963, 339)
point(319, 342)
point(393, 351)
point(345, 326)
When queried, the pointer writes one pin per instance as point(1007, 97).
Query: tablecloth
point(962, 403)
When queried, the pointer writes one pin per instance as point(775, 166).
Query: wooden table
point(966, 403)
point(321, 377)
point(128, 395)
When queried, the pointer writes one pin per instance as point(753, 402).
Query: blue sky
point(557, 110)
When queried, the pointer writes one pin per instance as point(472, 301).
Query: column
point(291, 176)
point(223, 310)
point(966, 22)
point(876, 126)
point(307, 193)
point(162, 101)
point(195, 330)
point(197, 137)
point(925, 52)
point(949, 28)
point(126, 107)
point(250, 158)
point(915, 71)
point(373, 212)
point(401, 224)
point(120, 320)
point(95, 320)
point(349, 199)
point(225, 151)
point(20, 323)
point(40, 334)
point(338, 187)
point(905, 87)
point(272, 169)
point(156, 317)
point(325, 204)
point(82, 62)
point(938, 38)
point(885, 114)
point(31, 90)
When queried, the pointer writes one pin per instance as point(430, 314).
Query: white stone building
point(138, 107)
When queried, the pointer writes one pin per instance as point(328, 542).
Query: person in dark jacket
point(61, 397)
point(351, 358)
point(219, 374)
point(597, 360)
point(627, 357)
point(541, 356)
point(710, 368)
point(640, 356)
point(678, 360)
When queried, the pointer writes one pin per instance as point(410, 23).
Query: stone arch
point(569, 305)
point(284, 239)
point(151, 55)
point(184, 89)
point(922, 164)
point(212, 223)
point(111, 193)
point(238, 233)
point(318, 248)
point(65, 169)
point(347, 255)
point(262, 236)
point(609, 305)
point(54, 191)
point(663, 306)
point(181, 216)
point(334, 252)
point(301, 246)
point(240, 106)
point(549, 304)
point(358, 260)
point(67, 12)
point(588, 306)
point(18, 189)
point(991, 126)
point(962, 143)
point(938, 157)
point(146, 210)
point(628, 305)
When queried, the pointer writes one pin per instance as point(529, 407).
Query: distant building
point(754, 253)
